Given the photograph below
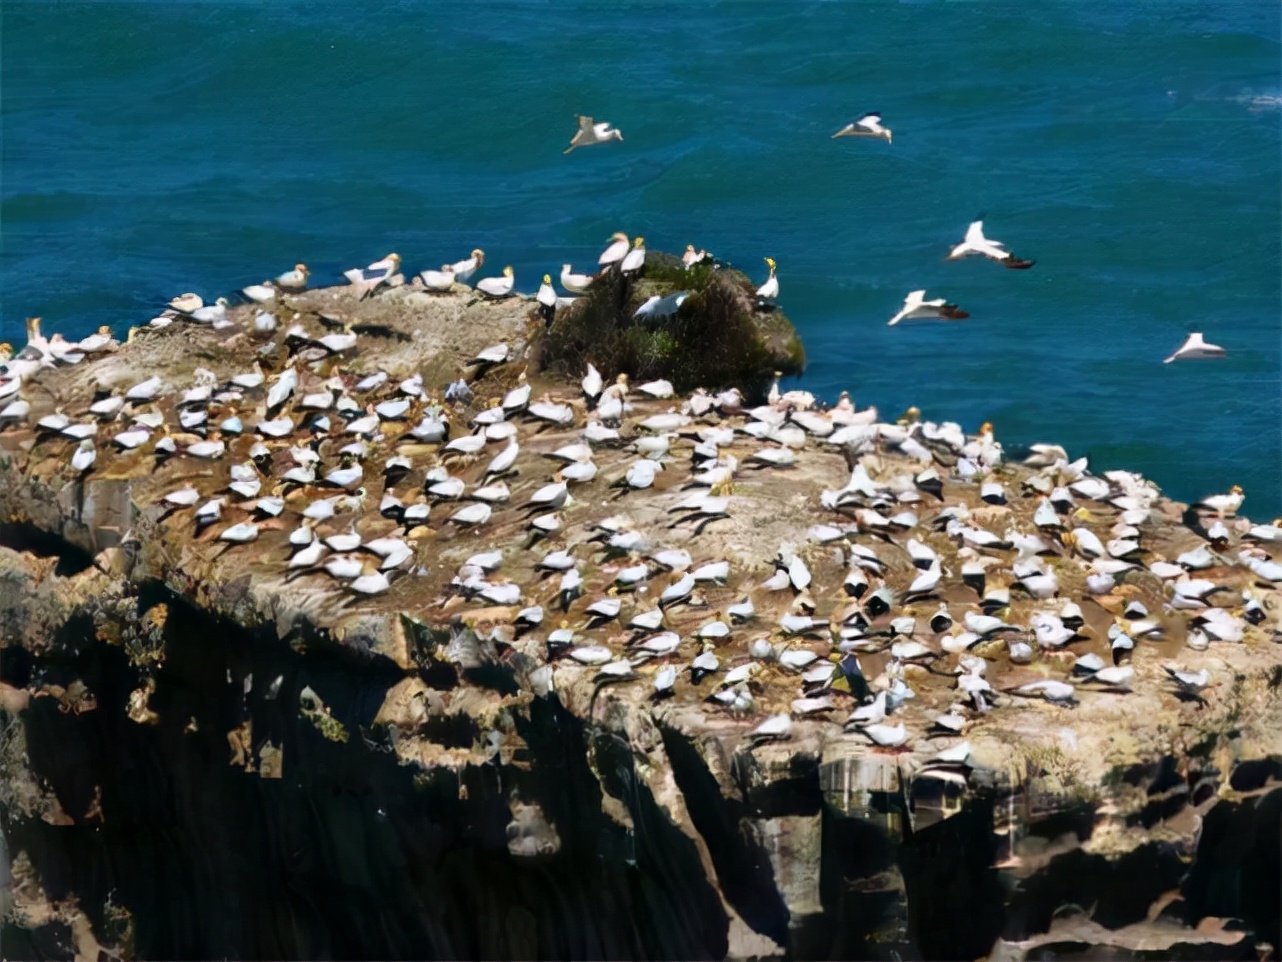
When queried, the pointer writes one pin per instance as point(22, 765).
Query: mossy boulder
point(718, 338)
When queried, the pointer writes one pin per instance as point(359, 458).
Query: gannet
point(617, 250)
point(692, 257)
point(473, 514)
point(294, 280)
point(83, 457)
point(659, 307)
point(467, 267)
point(240, 533)
point(260, 293)
point(100, 341)
point(915, 306)
point(634, 260)
point(869, 125)
point(497, 287)
point(1188, 682)
point(214, 314)
point(368, 279)
point(63, 351)
point(1195, 347)
point(546, 298)
point(769, 291)
point(575, 283)
point(976, 243)
point(494, 354)
point(590, 133)
point(144, 390)
point(187, 303)
point(441, 280)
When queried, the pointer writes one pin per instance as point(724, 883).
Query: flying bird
point(976, 243)
point(590, 133)
point(916, 306)
point(1195, 347)
point(869, 125)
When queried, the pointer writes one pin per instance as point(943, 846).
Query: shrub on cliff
point(716, 339)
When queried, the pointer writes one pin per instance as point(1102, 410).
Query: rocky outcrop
point(206, 754)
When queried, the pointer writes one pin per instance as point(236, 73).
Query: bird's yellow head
point(986, 427)
point(301, 268)
point(689, 248)
point(618, 235)
point(770, 262)
point(507, 271)
point(479, 255)
point(33, 327)
point(1236, 489)
point(394, 257)
point(547, 278)
point(6, 348)
point(639, 242)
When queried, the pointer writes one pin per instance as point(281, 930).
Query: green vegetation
point(716, 340)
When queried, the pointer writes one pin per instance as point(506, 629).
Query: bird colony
point(898, 584)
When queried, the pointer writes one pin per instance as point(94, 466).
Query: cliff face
point(206, 753)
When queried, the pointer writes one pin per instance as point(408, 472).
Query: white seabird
point(497, 287)
point(294, 280)
point(1196, 347)
point(441, 280)
point(657, 307)
point(467, 267)
point(692, 257)
point(368, 279)
point(634, 260)
point(1224, 505)
point(260, 293)
point(869, 125)
point(916, 306)
point(590, 133)
point(769, 291)
point(617, 250)
point(574, 283)
point(976, 243)
point(83, 457)
point(547, 298)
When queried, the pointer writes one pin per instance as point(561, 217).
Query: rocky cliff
point(210, 753)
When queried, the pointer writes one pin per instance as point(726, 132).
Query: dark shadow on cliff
point(743, 866)
point(348, 854)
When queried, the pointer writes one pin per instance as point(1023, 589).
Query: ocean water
point(1132, 149)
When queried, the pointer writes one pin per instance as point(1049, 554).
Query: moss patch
point(717, 339)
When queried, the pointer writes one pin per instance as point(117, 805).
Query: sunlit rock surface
point(209, 754)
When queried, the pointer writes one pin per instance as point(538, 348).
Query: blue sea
point(1131, 148)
